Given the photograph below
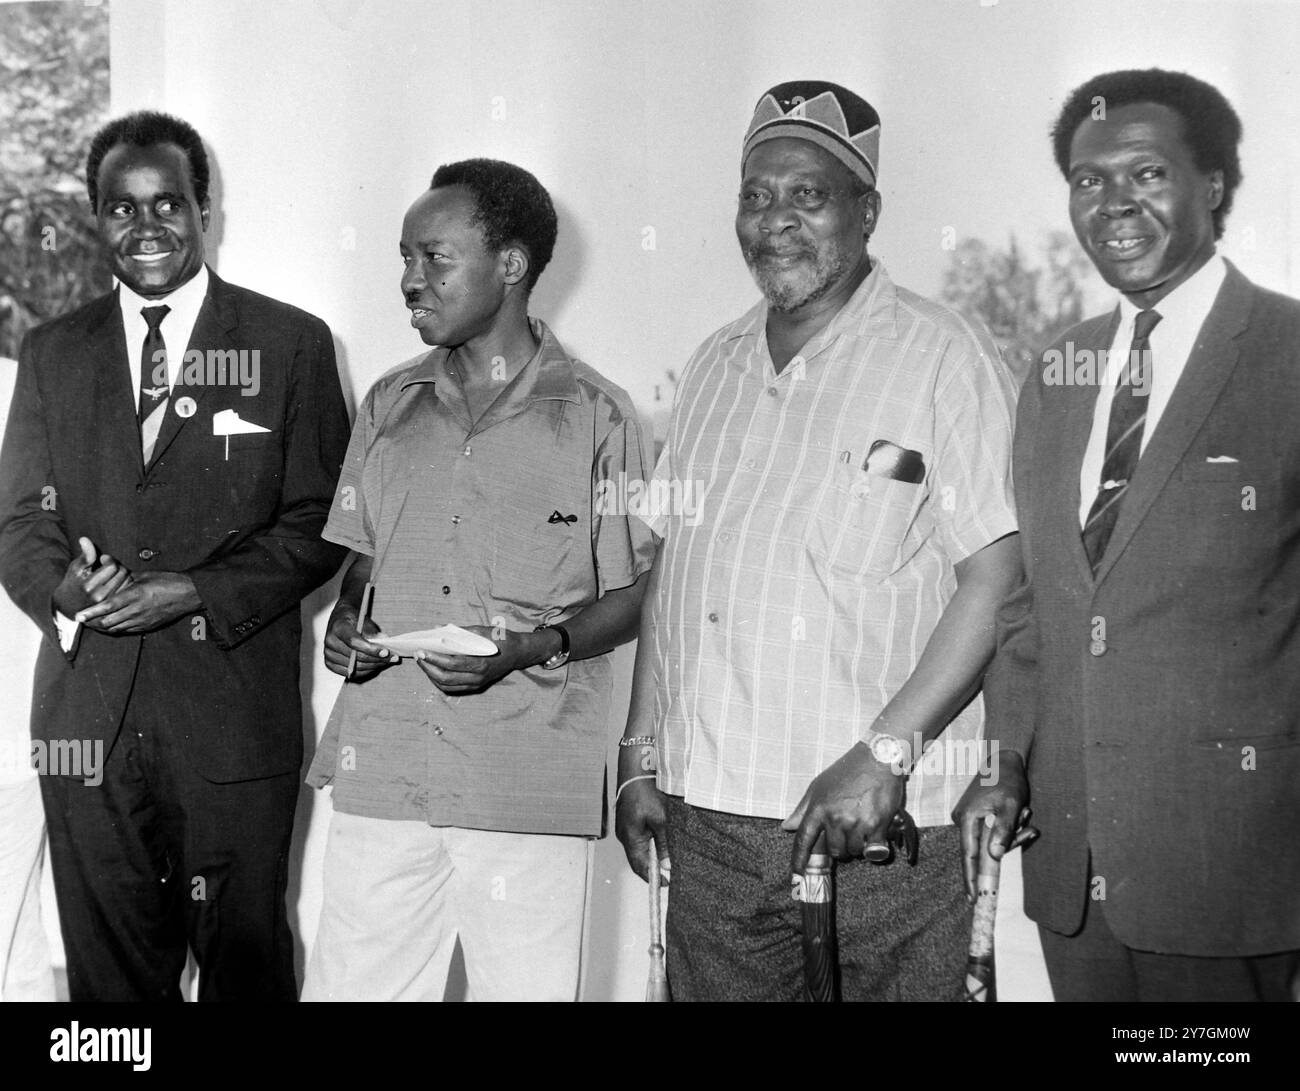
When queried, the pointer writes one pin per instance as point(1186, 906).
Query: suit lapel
point(1067, 442)
point(212, 331)
point(105, 356)
point(1207, 371)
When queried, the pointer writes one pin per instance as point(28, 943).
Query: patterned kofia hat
point(832, 118)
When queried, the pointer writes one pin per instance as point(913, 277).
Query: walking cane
point(981, 976)
point(656, 989)
point(815, 890)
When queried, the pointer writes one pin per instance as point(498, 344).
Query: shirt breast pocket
point(863, 522)
point(541, 561)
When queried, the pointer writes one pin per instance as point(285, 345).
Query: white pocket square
point(1219, 459)
point(229, 423)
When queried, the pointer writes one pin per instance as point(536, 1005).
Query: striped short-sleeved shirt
point(811, 524)
point(509, 521)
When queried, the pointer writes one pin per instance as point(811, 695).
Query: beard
point(789, 287)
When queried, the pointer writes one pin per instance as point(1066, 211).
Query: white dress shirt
point(185, 303)
point(1182, 314)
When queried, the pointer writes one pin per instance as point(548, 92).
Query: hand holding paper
point(349, 647)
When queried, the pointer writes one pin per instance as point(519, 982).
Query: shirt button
point(455, 520)
point(713, 617)
point(437, 729)
point(771, 391)
point(1097, 647)
point(146, 554)
point(446, 590)
point(797, 362)
point(468, 450)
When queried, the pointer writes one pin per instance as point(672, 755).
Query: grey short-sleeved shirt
point(503, 522)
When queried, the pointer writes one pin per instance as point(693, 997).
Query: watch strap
point(562, 656)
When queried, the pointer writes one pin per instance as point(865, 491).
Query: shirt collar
point(548, 374)
point(1187, 306)
point(870, 311)
point(185, 300)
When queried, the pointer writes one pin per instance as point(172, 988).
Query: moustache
point(758, 251)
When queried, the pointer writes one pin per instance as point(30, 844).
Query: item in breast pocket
point(885, 459)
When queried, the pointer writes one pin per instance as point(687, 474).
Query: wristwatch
point(562, 656)
point(890, 750)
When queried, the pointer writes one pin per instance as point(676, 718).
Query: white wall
point(326, 118)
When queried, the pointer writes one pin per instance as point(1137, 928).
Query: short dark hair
point(1211, 127)
point(144, 129)
point(511, 206)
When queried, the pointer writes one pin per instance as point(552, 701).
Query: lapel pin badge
point(185, 407)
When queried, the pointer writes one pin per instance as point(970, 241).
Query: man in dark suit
point(1147, 678)
point(194, 431)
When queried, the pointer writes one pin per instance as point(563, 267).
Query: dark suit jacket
point(1158, 704)
point(245, 528)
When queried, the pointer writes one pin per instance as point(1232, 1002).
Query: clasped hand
point(102, 593)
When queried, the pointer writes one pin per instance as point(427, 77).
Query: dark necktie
point(1128, 414)
point(153, 380)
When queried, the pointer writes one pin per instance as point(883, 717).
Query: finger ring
point(877, 852)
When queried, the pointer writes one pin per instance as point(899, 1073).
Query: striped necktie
point(153, 380)
point(1128, 414)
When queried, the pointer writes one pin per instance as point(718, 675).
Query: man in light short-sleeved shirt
point(835, 512)
point(475, 492)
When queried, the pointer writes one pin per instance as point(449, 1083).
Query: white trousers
point(25, 971)
point(398, 894)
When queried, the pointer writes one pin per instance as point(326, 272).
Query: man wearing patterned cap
point(813, 636)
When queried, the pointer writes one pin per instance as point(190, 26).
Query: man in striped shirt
point(820, 616)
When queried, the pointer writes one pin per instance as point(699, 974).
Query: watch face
point(887, 750)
